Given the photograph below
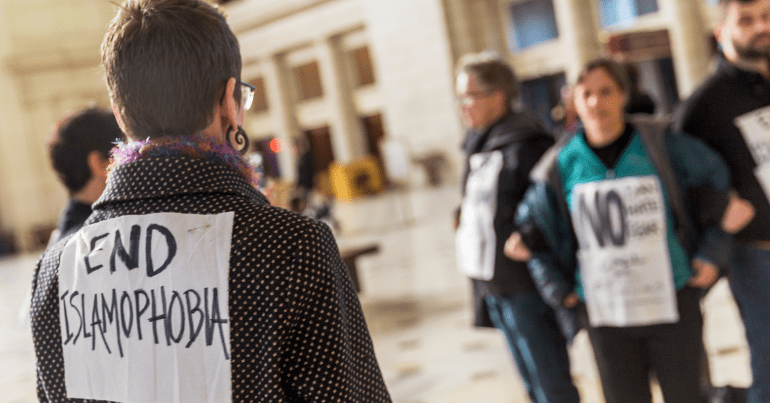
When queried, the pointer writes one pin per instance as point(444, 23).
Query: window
point(308, 81)
point(621, 12)
point(541, 95)
point(321, 147)
point(363, 66)
point(532, 22)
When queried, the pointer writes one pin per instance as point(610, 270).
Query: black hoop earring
point(241, 140)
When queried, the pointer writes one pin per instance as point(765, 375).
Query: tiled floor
point(17, 360)
point(417, 305)
point(417, 308)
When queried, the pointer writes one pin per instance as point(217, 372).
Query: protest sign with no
point(624, 260)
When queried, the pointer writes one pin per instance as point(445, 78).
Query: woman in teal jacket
point(609, 226)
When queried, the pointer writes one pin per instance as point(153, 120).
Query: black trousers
point(626, 357)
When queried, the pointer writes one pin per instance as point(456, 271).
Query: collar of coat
point(197, 146)
point(740, 75)
point(516, 126)
point(175, 166)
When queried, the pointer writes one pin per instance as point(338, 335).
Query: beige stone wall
point(412, 60)
point(464, 28)
point(277, 37)
point(688, 32)
point(413, 56)
point(49, 65)
point(582, 38)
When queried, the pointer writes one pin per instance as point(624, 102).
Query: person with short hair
point(502, 144)
point(185, 284)
point(730, 112)
point(79, 150)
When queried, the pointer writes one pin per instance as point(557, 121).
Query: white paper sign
point(624, 259)
point(755, 127)
point(143, 304)
point(476, 240)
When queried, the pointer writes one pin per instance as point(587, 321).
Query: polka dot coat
point(297, 332)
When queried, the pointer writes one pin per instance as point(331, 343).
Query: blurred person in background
point(501, 146)
point(306, 198)
point(185, 284)
point(305, 169)
point(79, 150)
point(730, 111)
point(606, 230)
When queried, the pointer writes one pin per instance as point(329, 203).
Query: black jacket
point(297, 332)
point(522, 140)
point(72, 218)
point(709, 115)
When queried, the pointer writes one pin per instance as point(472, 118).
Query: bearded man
point(730, 111)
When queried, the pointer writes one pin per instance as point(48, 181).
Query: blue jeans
point(750, 284)
point(537, 345)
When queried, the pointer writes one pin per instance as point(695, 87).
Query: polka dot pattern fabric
point(297, 332)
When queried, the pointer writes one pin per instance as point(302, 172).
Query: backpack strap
point(653, 133)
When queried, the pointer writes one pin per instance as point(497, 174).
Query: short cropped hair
point(167, 63)
point(491, 72)
point(75, 137)
point(615, 70)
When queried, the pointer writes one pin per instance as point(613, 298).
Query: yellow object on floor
point(355, 179)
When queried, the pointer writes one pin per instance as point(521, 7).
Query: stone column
point(416, 76)
point(488, 13)
point(578, 25)
point(689, 46)
point(282, 113)
point(19, 187)
point(346, 133)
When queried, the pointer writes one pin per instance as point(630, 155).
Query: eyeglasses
point(467, 99)
point(247, 95)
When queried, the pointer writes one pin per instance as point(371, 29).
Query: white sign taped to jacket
point(143, 304)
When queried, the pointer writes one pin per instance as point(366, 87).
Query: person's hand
point(704, 274)
point(571, 300)
point(515, 249)
point(738, 214)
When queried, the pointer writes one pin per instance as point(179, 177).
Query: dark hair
point(167, 63)
point(91, 129)
point(615, 70)
point(491, 72)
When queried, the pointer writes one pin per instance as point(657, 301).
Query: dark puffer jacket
point(297, 332)
point(683, 163)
